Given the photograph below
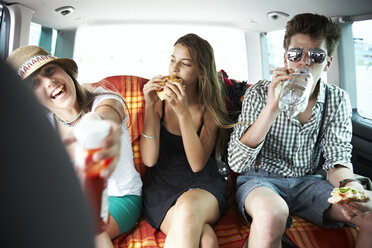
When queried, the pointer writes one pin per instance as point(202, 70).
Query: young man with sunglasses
point(276, 154)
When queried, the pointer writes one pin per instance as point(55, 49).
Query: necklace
point(69, 123)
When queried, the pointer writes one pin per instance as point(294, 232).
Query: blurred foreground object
point(42, 202)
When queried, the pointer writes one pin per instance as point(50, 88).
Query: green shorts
point(126, 210)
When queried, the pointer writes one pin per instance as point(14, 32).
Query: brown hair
point(211, 91)
point(317, 26)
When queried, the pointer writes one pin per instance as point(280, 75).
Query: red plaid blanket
point(231, 230)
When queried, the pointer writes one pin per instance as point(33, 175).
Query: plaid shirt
point(289, 148)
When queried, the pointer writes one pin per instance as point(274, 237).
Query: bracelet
point(148, 136)
point(348, 180)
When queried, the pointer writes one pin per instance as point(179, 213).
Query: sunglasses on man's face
point(316, 55)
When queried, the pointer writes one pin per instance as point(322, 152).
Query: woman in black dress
point(183, 192)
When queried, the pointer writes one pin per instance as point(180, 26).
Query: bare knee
point(185, 209)
point(271, 220)
point(269, 214)
point(268, 227)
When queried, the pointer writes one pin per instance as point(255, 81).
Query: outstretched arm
point(112, 111)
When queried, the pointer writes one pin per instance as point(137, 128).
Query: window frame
point(4, 34)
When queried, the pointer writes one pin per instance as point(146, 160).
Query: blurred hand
point(110, 146)
point(110, 151)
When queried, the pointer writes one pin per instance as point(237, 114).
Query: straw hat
point(26, 60)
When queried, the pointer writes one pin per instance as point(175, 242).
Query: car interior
point(124, 43)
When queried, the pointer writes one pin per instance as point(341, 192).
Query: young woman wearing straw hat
point(53, 81)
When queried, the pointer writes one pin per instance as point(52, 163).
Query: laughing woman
point(54, 83)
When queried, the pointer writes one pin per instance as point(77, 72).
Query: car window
point(275, 49)
point(35, 32)
point(363, 61)
point(144, 50)
point(43, 37)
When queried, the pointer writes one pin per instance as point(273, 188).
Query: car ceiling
point(244, 14)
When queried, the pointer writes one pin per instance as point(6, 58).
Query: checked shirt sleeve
point(240, 156)
point(336, 140)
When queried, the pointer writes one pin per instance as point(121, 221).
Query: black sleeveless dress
point(172, 176)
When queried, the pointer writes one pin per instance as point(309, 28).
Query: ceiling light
point(273, 15)
point(65, 10)
point(345, 19)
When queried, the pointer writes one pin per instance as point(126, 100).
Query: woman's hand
point(176, 96)
point(276, 86)
point(110, 151)
point(150, 88)
point(110, 145)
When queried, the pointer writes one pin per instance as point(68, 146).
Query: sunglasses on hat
point(316, 55)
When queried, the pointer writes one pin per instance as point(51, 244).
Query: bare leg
point(269, 214)
point(187, 223)
point(208, 238)
point(103, 240)
point(113, 228)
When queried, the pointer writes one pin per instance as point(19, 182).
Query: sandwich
point(346, 194)
point(161, 93)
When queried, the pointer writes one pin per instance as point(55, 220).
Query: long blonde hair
point(211, 92)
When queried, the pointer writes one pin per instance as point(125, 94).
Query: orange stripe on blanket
point(305, 234)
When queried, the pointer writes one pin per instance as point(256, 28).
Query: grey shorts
point(306, 196)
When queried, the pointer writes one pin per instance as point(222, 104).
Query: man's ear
point(328, 65)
